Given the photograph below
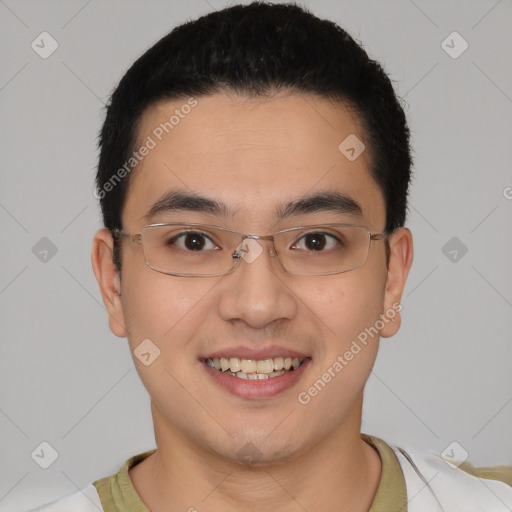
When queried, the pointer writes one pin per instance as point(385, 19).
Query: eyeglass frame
point(138, 238)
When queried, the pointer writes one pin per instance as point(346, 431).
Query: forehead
point(251, 154)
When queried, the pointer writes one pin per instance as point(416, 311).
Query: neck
point(341, 473)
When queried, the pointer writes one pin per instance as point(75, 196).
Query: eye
point(192, 241)
point(316, 242)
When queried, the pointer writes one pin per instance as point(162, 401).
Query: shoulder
point(434, 484)
point(84, 500)
point(114, 492)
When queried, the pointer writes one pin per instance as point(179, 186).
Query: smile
point(251, 369)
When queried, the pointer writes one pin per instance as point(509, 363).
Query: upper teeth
point(234, 364)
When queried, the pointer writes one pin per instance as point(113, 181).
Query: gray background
point(66, 380)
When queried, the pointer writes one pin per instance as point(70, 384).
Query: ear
point(108, 279)
point(400, 261)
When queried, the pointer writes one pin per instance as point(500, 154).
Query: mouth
point(256, 374)
point(252, 369)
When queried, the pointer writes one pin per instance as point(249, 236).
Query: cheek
point(163, 308)
point(347, 303)
point(169, 312)
point(348, 307)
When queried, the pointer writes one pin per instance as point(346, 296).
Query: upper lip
point(255, 354)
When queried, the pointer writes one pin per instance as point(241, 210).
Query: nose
point(256, 292)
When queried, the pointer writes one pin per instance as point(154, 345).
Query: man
point(253, 180)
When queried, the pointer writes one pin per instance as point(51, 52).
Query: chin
point(258, 450)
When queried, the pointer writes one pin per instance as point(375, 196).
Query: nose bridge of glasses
point(259, 237)
point(249, 248)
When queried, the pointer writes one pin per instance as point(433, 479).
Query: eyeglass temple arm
point(132, 237)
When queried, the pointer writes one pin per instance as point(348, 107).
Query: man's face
point(253, 157)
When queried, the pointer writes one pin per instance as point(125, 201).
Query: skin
point(254, 155)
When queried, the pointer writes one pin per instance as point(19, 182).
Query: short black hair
point(256, 50)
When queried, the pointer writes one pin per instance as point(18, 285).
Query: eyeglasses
point(190, 249)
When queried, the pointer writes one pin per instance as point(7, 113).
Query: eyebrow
point(335, 202)
point(328, 201)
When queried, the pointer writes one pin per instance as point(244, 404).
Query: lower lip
point(257, 389)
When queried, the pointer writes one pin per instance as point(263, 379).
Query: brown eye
point(194, 242)
point(315, 241)
point(191, 241)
